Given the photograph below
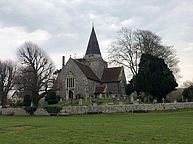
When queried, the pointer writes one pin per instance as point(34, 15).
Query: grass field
point(156, 127)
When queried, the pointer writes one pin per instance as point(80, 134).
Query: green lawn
point(156, 127)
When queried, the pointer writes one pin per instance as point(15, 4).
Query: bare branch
point(128, 47)
point(36, 73)
point(7, 75)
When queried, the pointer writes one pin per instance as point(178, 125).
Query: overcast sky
point(62, 27)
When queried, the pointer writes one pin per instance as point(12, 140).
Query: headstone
point(131, 98)
point(154, 101)
point(163, 100)
point(80, 102)
point(31, 105)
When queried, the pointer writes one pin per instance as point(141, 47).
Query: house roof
point(93, 46)
point(86, 70)
point(100, 89)
point(111, 74)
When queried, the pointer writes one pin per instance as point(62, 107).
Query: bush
point(27, 100)
point(18, 103)
point(30, 110)
point(51, 97)
point(53, 109)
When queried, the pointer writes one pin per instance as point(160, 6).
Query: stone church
point(90, 76)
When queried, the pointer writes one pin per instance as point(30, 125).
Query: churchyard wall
point(125, 108)
point(69, 110)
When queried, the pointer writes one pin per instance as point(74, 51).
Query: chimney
point(63, 61)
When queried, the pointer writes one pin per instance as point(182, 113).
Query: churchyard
point(154, 127)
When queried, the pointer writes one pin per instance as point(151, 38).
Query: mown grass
point(146, 128)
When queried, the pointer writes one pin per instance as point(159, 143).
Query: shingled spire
point(93, 46)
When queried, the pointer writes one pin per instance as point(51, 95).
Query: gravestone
point(80, 102)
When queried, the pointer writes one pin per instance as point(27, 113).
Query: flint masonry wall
point(13, 111)
point(101, 109)
point(22, 112)
point(124, 108)
point(81, 81)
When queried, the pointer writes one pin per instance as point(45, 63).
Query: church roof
point(93, 46)
point(86, 70)
point(111, 74)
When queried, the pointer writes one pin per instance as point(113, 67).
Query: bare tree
point(36, 72)
point(123, 50)
point(150, 43)
point(130, 45)
point(7, 75)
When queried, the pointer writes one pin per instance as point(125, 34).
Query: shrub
point(30, 110)
point(27, 103)
point(53, 109)
point(27, 100)
point(51, 97)
point(18, 103)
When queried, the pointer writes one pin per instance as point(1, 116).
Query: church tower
point(93, 55)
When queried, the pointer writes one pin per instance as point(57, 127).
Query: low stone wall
point(124, 108)
point(41, 112)
point(22, 112)
point(13, 111)
point(101, 109)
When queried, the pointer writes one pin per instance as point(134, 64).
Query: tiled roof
point(87, 71)
point(111, 74)
point(93, 46)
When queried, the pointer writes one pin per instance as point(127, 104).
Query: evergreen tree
point(51, 97)
point(154, 77)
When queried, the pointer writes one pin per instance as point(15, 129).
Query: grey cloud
point(69, 21)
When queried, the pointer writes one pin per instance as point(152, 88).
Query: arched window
point(70, 80)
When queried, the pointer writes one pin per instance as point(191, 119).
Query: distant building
point(90, 75)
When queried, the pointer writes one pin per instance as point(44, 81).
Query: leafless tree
point(123, 50)
point(36, 73)
point(128, 47)
point(150, 43)
point(7, 75)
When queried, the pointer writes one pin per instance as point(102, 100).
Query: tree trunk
point(4, 100)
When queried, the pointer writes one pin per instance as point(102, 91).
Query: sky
point(63, 27)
